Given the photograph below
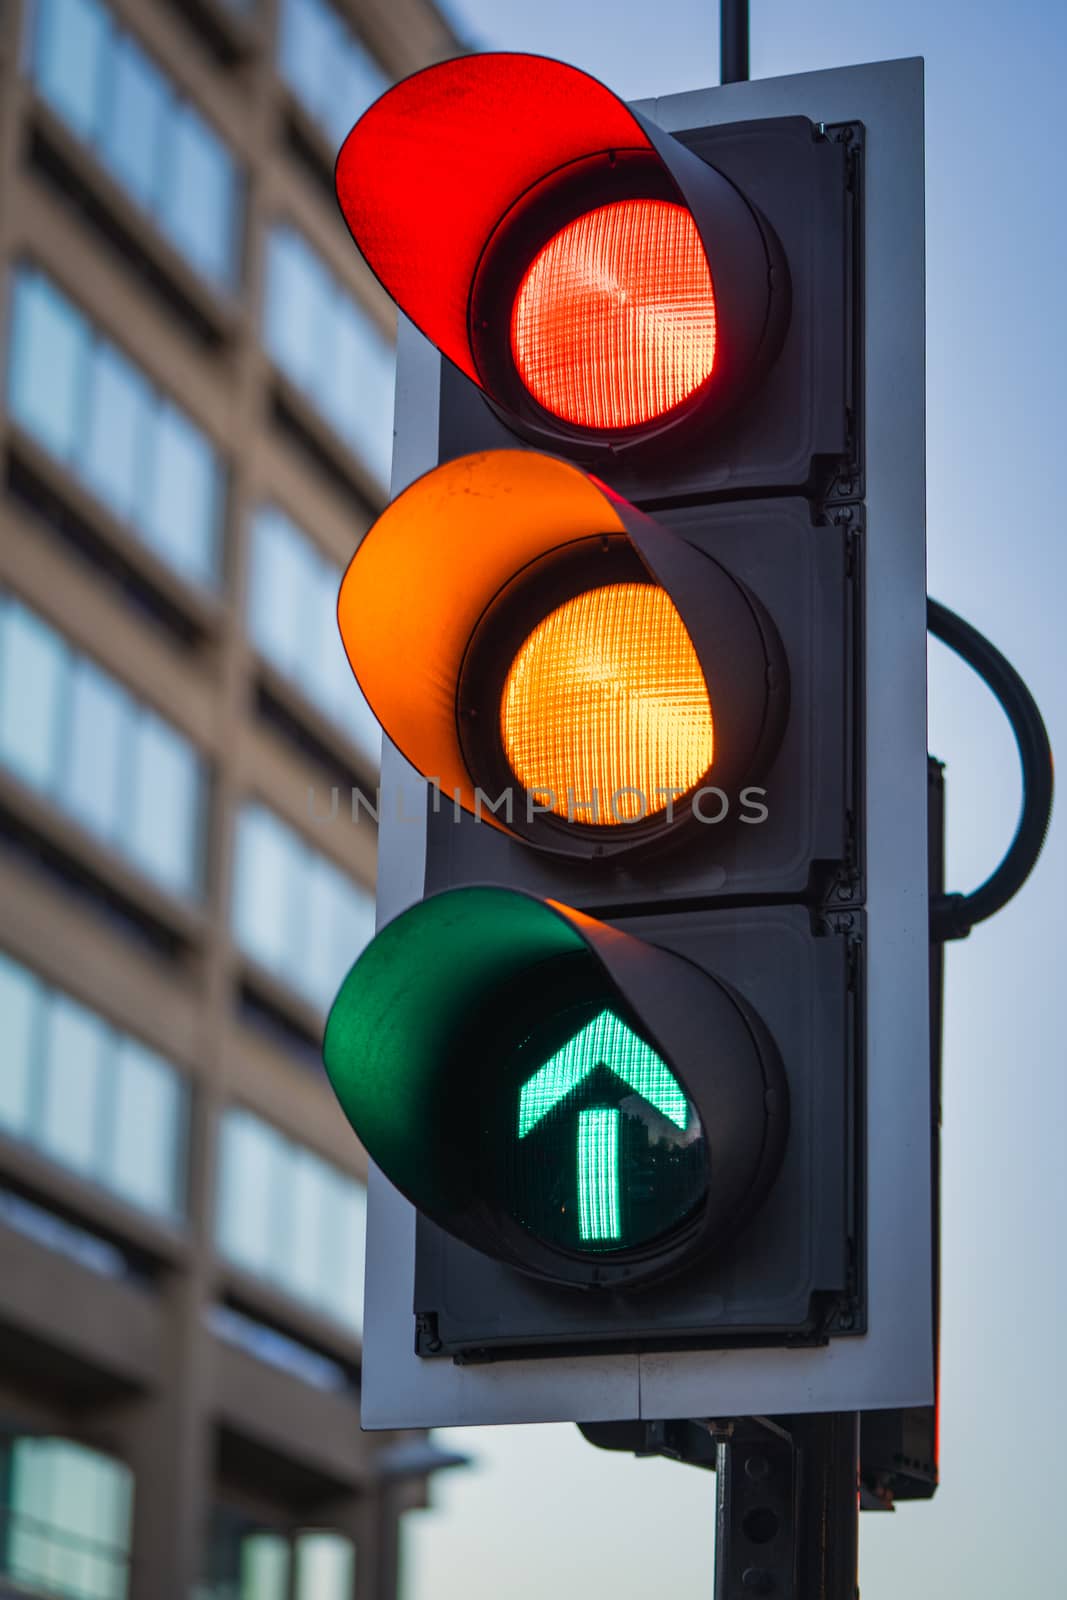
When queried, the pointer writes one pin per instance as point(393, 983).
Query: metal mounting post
point(733, 36)
point(787, 1514)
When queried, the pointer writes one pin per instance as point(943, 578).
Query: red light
point(614, 322)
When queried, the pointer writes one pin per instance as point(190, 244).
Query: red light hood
point(430, 170)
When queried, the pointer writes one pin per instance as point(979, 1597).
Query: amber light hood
point(433, 568)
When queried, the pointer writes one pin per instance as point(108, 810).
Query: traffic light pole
point(787, 1513)
point(787, 1518)
point(733, 36)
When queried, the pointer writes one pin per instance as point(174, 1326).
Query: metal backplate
point(891, 1363)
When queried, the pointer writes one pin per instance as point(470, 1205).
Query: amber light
point(607, 695)
point(614, 322)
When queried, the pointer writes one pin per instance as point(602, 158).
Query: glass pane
point(353, 927)
point(304, 46)
point(49, 350)
point(345, 1235)
point(72, 1516)
point(114, 1503)
point(20, 1009)
point(277, 618)
point(308, 1193)
point(98, 722)
point(325, 954)
point(359, 398)
point(148, 1130)
point(33, 680)
point(184, 496)
point(113, 446)
point(252, 1170)
point(264, 888)
point(322, 636)
point(353, 83)
point(164, 825)
point(135, 117)
point(199, 199)
point(264, 1567)
point(69, 60)
point(31, 1497)
point(298, 309)
point(75, 1060)
point(74, 1480)
point(325, 1567)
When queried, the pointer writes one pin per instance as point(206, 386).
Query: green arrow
point(606, 1042)
point(598, 1174)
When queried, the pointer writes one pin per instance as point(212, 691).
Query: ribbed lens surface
point(605, 706)
point(614, 322)
point(605, 1152)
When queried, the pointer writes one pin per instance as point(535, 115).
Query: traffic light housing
point(640, 1045)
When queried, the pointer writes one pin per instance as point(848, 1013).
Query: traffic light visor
point(420, 581)
point(429, 170)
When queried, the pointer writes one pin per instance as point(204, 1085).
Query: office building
point(195, 429)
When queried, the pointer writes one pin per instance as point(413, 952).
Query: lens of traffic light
point(605, 706)
point(602, 1150)
point(614, 323)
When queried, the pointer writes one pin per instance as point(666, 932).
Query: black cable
point(952, 916)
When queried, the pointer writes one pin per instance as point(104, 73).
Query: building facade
point(195, 429)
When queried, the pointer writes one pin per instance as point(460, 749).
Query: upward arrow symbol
point(604, 1042)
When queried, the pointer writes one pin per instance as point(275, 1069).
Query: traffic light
point(620, 1039)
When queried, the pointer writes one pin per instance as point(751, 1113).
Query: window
point(55, 1233)
point(88, 406)
point(325, 1567)
point(292, 617)
point(67, 1511)
point(250, 1560)
point(34, 675)
point(118, 101)
point(277, 1349)
point(330, 349)
point(289, 1217)
point(328, 69)
point(294, 912)
point(71, 731)
point(92, 1098)
point(197, 205)
point(68, 59)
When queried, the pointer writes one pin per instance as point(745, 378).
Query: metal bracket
point(755, 1524)
point(787, 1514)
point(787, 1502)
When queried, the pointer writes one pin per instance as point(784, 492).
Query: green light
point(603, 1151)
point(604, 1042)
point(598, 1175)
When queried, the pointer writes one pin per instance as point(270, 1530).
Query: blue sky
point(543, 1512)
